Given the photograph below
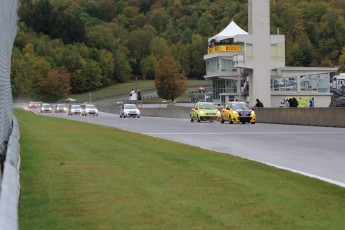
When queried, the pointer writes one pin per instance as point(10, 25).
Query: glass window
point(249, 52)
point(212, 66)
point(284, 84)
point(315, 82)
point(226, 65)
point(324, 86)
point(277, 52)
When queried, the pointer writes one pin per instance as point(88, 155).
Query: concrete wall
point(333, 117)
point(164, 111)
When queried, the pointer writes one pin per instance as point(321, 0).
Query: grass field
point(82, 176)
point(122, 90)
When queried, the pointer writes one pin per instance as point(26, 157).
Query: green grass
point(122, 90)
point(82, 176)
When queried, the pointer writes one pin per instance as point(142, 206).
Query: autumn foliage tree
point(170, 80)
point(342, 61)
point(54, 86)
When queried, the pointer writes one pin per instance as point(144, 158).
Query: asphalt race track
point(313, 151)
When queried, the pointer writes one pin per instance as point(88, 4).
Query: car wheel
point(191, 119)
point(243, 122)
point(222, 120)
point(198, 118)
point(230, 120)
point(252, 123)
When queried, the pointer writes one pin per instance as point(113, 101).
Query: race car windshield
point(239, 106)
point(130, 106)
point(207, 106)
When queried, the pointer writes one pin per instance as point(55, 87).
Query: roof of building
point(229, 32)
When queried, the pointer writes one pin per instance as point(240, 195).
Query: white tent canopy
point(229, 32)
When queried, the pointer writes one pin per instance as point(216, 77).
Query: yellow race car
point(236, 112)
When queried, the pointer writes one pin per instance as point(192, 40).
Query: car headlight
point(252, 113)
point(202, 112)
point(235, 112)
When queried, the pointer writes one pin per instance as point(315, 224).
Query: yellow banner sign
point(229, 48)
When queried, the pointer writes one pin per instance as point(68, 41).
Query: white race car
point(129, 110)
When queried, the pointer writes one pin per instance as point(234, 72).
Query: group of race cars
point(232, 112)
point(84, 109)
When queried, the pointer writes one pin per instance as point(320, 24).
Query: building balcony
point(225, 48)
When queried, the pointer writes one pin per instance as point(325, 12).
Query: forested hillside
point(75, 46)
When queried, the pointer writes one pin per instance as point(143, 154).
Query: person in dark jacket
point(258, 104)
point(294, 102)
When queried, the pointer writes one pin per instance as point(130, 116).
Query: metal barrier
point(10, 188)
point(9, 132)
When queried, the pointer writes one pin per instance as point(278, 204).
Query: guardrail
point(10, 188)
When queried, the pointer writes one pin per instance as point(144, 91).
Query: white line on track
point(308, 174)
point(244, 133)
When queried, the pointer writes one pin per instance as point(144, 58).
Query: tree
point(68, 27)
point(71, 58)
point(122, 67)
point(54, 86)
point(92, 73)
point(159, 19)
point(170, 80)
point(101, 37)
point(148, 67)
point(27, 70)
point(107, 65)
point(87, 78)
point(139, 45)
point(342, 61)
point(56, 23)
point(39, 17)
point(159, 47)
point(196, 51)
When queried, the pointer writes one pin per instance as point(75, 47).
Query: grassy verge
point(82, 176)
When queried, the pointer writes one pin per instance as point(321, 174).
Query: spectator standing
point(311, 103)
point(132, 96)
point(286, 103)
point(131, 93)
point(294, 102)
point(139, 98)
